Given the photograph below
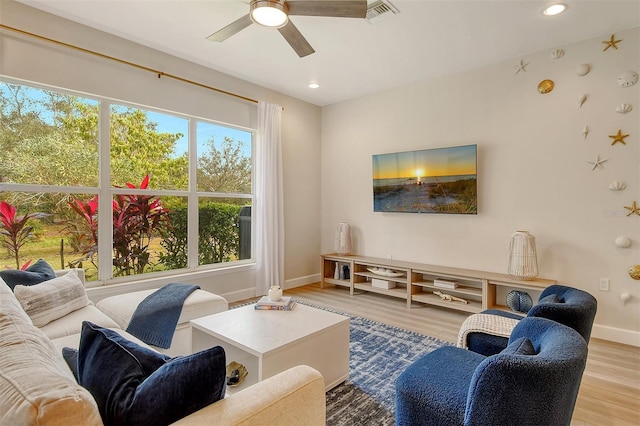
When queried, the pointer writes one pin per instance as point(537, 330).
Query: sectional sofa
point(38, 387)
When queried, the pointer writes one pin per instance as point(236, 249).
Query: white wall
point(43, 62)
point(532, 171)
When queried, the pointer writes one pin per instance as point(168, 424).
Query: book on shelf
point(264, 300)
point(288, 307)
point(440, 283)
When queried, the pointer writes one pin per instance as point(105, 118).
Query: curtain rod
point(122, 61)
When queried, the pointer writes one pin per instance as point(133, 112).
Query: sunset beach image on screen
point(438, 180)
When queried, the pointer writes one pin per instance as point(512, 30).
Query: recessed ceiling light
point(554, 9)
point(313, 85)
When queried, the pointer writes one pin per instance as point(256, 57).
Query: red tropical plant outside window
point(84, 235)
point(15, 229)
point(136, 220)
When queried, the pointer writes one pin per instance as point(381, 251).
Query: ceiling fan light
point(554, 9)
point(269, 13)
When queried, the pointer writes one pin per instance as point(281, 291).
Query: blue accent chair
point(534, 381)
point(566, 305)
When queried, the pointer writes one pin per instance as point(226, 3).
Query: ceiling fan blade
point(231, 29)
point(337, 8)
point(296, 39)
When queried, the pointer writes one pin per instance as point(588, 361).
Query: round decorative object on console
point(519, 301)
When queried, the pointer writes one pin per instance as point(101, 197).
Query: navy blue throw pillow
point(551, 298)
point(135, 385)
point(70, 355)
point(521, 346)
point(35, 274)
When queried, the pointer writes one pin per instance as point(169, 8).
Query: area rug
point(378, 354)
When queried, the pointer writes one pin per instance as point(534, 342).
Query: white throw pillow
point(9, 305)
point(52, 299)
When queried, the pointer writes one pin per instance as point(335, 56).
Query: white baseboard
point(242, 294)
point(248, 293)
point(618, 335)
point(299, 282)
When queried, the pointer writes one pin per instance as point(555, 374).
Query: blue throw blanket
point(154, 320)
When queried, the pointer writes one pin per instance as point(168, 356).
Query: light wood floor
point(610, 390)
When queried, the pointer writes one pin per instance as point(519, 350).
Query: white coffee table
point(269, 342)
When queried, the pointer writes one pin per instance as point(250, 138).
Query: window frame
point(105, 191)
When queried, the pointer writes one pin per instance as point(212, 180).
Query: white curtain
point(269, 212)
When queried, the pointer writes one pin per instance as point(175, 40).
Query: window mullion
point(192, 203)
point(105, 222)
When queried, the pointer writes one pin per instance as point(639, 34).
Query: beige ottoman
point(200, 303)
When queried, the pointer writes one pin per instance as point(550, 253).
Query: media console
point(416, 282)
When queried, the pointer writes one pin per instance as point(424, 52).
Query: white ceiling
point(353, 57)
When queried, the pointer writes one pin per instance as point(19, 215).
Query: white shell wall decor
point(624, 108)
point(624, 298)
point(598, 163)
point(557, 54)
point(581, 100)
point(628, 79)
point(585, 131)
point(623, 242)
point(522, 66)
point(617, 186)
point(583, 70)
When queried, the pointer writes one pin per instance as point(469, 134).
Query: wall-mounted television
point(439, 180)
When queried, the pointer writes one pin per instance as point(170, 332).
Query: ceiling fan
point(275, 14)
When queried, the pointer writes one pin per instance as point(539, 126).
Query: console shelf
point(431, 299)
point(415, 282)
point(400, 292)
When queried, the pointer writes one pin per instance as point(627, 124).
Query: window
point(179, 187)
point(48, 138)
point(145, 142)
point(224, 184)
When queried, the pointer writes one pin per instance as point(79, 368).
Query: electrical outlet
point(604, 284)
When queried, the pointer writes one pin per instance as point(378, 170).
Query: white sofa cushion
point(52, 299)
point(10, 305)
point(200, 303)
point(73, 340)
point(72, 323)
point(36, 386)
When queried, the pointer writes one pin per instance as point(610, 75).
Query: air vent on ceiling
point(379, 10)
